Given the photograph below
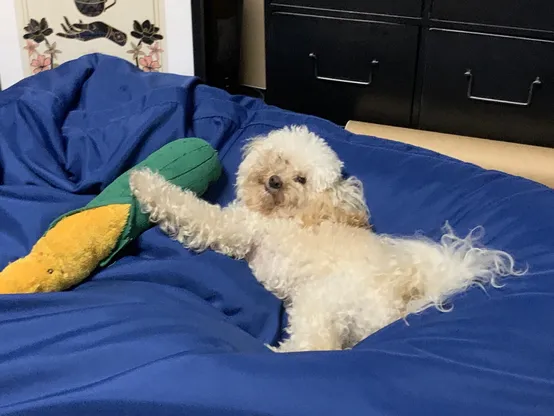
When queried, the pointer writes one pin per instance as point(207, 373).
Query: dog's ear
point(343, 203)
point(350, 203)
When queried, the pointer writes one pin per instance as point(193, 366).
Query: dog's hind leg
point(452, 266)
point(192, 221)
point(312, 327)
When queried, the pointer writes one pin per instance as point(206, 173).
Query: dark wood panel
point(496, 87)
point(394, 7)
point(529, 14)
point(341, 69)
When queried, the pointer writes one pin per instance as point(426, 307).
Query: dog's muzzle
point(274, 184)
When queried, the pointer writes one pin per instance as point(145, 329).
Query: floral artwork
point(147, 34)
point(93, 8)
point(41, 63)
point(37, 31)
point(138, 40)
point(85, 32)
point(148, 64)
point(41, 53)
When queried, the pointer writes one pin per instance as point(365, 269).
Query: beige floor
point(535, 163)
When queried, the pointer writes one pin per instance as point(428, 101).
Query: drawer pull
point(527, 103)
point(342, 80)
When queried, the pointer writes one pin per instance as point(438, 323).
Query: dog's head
point(293, 173)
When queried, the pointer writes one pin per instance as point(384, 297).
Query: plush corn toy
point(82, 240)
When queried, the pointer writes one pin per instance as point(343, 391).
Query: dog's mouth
point(271, 191)
point(274, 197)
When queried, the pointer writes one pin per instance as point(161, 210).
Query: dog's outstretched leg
point(192, 221)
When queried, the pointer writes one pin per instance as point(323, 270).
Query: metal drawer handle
point(537, 82)
point(342, 80)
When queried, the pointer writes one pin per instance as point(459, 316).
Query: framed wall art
point(41, 35)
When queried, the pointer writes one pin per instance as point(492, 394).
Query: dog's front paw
point(144, 185)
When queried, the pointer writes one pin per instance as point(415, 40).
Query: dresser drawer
point(411, 8)
point(528, 14)
point(341, 69)
point(489, 86)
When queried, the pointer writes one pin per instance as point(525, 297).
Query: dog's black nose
point(275, 182)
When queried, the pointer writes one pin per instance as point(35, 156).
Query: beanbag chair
point(164, 331)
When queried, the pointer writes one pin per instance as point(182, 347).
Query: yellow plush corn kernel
point(68, 253)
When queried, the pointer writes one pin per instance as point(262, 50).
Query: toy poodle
point(304, 231)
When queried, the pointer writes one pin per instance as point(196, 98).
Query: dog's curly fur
point(308, 240)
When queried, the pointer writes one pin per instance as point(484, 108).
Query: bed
point(165, 332)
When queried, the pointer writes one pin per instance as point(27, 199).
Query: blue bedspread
point(167, 332)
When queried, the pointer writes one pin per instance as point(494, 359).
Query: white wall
point(11, 65)
point(178, 28)
point(178, 22)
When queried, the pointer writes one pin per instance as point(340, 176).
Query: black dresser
point(472, 67)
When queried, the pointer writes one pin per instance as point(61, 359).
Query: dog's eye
point(300, 179)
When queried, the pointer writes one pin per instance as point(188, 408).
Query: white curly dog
point(304, 230)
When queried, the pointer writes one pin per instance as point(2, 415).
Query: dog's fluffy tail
point(453, 265)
